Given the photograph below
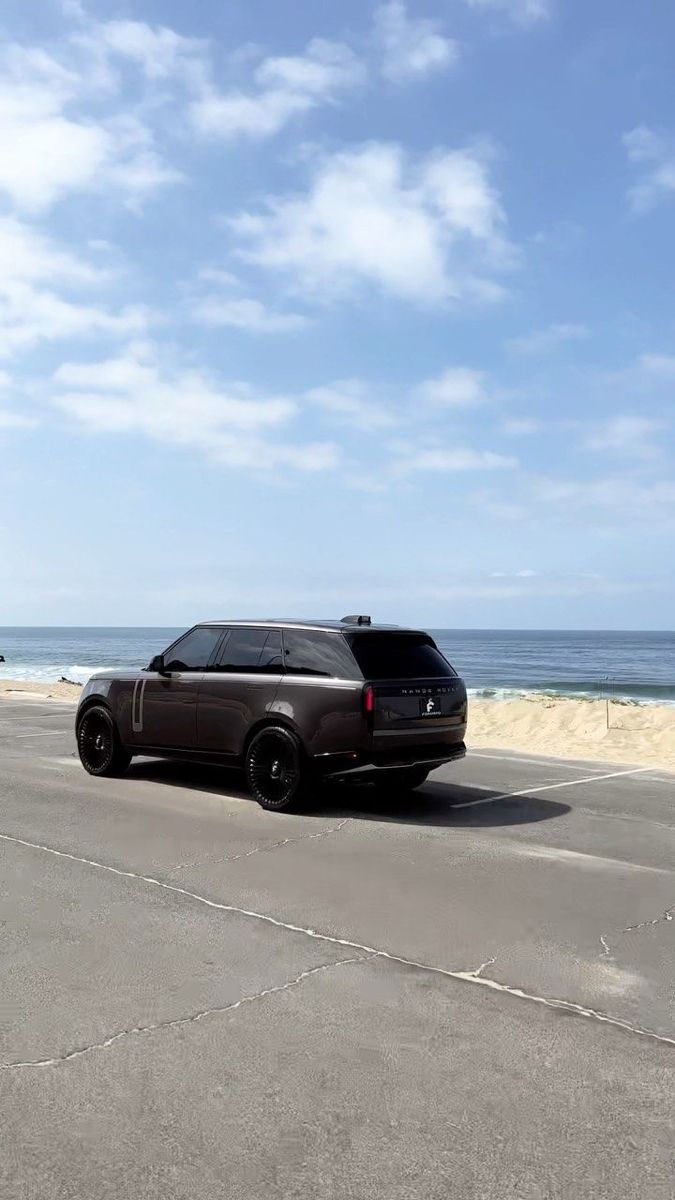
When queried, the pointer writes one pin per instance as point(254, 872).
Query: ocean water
point(638, 667)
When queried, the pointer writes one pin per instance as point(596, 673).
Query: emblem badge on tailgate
point(431, 707)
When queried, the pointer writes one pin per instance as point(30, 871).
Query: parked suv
point(287, 700)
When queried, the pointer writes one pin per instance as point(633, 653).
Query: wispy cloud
point(412, 48)
point(408, 459)
point(350, 402)
point(428, 231)
point(628, 436)
point(524, 12)
point(547, 341)
point(283, 88)
point(142, 392)
point(53, 145)
point(38, 280)
point(456, 387)
point(247, 314)
point(13, 420)
point(654, 153)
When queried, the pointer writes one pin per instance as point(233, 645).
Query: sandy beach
point(20, 689)
point(638, 734)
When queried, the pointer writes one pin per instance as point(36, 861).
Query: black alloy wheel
point(98, 744)
point(274, 768)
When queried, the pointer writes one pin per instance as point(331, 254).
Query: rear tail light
point(369, 701)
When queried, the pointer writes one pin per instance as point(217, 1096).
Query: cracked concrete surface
point(177, 1022)
point(664, 916)
point(473, 976)
point(426, 1070)
point(267, 846)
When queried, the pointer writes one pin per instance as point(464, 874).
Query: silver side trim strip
point(137, 706)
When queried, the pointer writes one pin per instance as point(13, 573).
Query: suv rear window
point(398, 656)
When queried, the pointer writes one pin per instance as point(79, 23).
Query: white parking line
point(549, 787)
point(43, 733)
point(561, 763)
point(27, 717)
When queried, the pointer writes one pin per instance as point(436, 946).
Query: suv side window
point(192, 652)
point(248, 650)
point(308, 652)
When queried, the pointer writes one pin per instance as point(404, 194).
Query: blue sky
point(329, 305)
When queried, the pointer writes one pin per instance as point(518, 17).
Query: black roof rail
point(356, 620)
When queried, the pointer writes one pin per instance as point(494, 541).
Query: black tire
point(275, 771)
point(402, 779)
point(98, 743)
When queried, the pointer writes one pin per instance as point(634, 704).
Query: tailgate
point(418, 704)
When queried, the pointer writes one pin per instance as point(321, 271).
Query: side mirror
point(157, 665)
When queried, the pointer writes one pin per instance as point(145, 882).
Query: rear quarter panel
point(327, 713)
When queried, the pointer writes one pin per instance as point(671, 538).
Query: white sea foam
point(49, 673)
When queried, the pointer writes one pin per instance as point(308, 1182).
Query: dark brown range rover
point(290, 701)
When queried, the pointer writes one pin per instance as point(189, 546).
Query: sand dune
point(637, 734)
point(640, 734)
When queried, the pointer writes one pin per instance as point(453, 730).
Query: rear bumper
point(364, 764)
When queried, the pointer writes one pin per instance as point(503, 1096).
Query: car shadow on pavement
point(433, 804)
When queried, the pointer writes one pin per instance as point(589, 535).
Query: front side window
point(308, 652)
point(249, 650)
point(192, 652)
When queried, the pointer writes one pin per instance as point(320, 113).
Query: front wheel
point(274, 768)
point(98, 744)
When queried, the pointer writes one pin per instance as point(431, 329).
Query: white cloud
point(546, 341)
point(285, 87)
point(31, 267)
point(159, 52)
point(659, 366)
point(631, 436)
point(449, 459)
point(51, 149)
point(526, 574)
point(525, 12)
point(13, 420)
point(610, 500)
point(412, 47)
point(457, 387)
point(349, 402)
point(656, 155)
point(28, 256)
point(137, 393)
point(421, 231)
point(520, 426)
point(245, 313)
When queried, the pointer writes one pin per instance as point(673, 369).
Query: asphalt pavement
point(469, 993)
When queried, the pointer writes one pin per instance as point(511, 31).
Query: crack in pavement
point(665, 916)
point(303, 837)
point(472, 976)
point(479, 970)
point(175, 1022)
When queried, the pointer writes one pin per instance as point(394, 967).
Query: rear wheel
point(98, 744)
point(403, 779)
point(275, 772)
